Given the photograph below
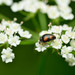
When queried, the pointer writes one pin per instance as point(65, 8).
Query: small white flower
point(65, 51)
point(2, 27)
point(43, 7)
point(66, 27)
point(57, 43)
point(17, 6)
point(7, 2)
point(56, 29)
point(25, 34)
point(9, 31)
point(70, 34)
point(31, 6)
point(62, 2)
point(15, 27)
point(71, 59)
point(3, 38)
point(53, 12)
point(65, 9)
point(45, 32)
point(72, 43)
point(5, 23)
point(14, 40)
point(67, 16)
point(65, 39)
point(41, 47)
point(7, 55)
point(57, 36)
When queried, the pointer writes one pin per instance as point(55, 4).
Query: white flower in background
point(56, 29)
point(7, 2)
point(7, 55)
point(71, 59)
point(57, 43)
point(65, 9)
point(53, 12)
point(66, 27)
point(70, 34)
point(63, 2)
point(3, 38)
point(41, 47)
point(25, 34)
point(43, 7)
point(31, 5)
point(65, 39)
point(14, 40)
point(65, 51)
point(17, 6)
point(72, 43)
point(67, 16)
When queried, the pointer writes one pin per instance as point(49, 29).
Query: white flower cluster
point(7, 2)
point(10, 33)
point(64, 42)
point(65, 10)
point(62, 8)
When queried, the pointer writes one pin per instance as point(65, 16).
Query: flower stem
point(43, 21)
point(42, 65)
point(36, 25)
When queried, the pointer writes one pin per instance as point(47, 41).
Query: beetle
point(46, 38)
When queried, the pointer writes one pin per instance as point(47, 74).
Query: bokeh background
point(28, 61)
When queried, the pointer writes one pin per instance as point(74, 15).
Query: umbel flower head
point(11, 34)
point(62, 9)
point(64, 42)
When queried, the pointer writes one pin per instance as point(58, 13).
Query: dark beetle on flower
point(46, 38)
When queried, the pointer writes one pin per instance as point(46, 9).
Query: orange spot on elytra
point(46, 38)
point(51, 37)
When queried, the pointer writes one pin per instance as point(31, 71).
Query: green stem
point(36, 25)
point(23, 13)
point(43, 21)
point(42, 65)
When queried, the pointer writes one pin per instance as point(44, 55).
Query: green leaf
point(32, 40)
point(29, 16)
point(36, 24)
point(43, 20)
point(73, 52)
point(72, 23)
point(3, 17)
point(23, 13)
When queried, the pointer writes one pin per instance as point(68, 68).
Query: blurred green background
point(28, 61)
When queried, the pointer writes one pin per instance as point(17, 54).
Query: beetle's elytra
point(47, 38)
